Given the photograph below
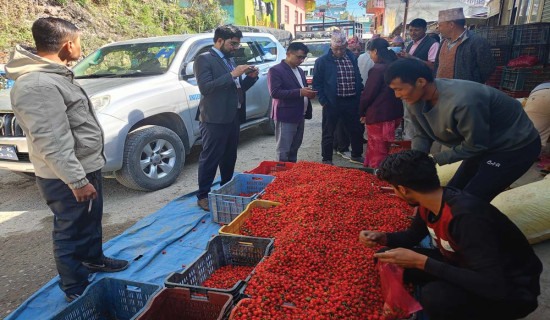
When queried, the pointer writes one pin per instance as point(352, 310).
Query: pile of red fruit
point(227, 276)
point(318, 269)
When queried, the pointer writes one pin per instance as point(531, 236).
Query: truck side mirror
point(187, 72)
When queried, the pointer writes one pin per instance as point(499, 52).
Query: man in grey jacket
point(66, 149)
point(482, 126)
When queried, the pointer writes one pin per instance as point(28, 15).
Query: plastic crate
point(497, 35)
point(233, 313)
point(501, 54)
point(269, 167)
point(178, 303)
point(539, 51)
point(523, 79)
point(221, 251)
point(235, 226)
point(109, 299)
point(225, 202)
point(399, 145)
point(494, 79)
point(534, 33)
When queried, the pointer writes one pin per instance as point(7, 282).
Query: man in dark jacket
point(338, 83)
point(482, 267)
point(291, 101)
point(221, 109)
point(482, 126)
point(422, 47)
point(463, 54)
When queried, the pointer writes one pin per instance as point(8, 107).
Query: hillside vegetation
point(104, 21)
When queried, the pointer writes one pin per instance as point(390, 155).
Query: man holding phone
point(291, 101)
point(222, 108)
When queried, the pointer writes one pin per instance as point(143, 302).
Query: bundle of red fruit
point(318, 269)
point(227, 276)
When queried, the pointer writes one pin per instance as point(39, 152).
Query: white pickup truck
point(146, 98)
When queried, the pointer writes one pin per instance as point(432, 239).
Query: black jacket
point(423, 48)
point(473, 60)
point(219, 98)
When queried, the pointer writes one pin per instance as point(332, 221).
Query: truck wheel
point(153, 159)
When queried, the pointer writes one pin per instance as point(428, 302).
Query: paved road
point(26, 261)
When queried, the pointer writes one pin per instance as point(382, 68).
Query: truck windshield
point(318, 49)
point(128, 60)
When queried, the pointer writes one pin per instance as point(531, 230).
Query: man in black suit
point(222, 107)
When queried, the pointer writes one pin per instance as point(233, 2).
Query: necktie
point(240, 91)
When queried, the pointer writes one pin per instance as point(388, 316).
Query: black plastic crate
point(523, 79)
point(534, 33)
point(109, 299)
point(501, 54)
point(497, 35)
point(222, 251)
point(539, 51)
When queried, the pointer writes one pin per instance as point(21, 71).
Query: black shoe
point(71, 297)
point(107, 265)
point(328, 162)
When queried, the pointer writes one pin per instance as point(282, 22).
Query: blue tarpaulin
point(170, 229)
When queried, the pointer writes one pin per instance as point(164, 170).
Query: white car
point(146, 97)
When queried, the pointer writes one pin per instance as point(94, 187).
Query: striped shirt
point(346, 77)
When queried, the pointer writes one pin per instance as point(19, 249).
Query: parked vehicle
point(146, 97)
point(317, 48)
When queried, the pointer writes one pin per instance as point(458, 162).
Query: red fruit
point(183, 266)
point(181, 240)
point(194, 229)
point(163, 252)
point(203, 221)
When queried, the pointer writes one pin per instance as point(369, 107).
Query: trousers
point(488, 175)
point(77, 233)
point(347, 110)
point(289, 138)
point(219, 149)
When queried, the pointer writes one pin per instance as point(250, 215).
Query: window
point(268, 49)
point(286, 15)
point(296, 17)
point(301, 16)
point(129, 60)
point(248, 53)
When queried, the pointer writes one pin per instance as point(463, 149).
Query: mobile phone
point(250, 70)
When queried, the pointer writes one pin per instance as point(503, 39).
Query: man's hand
point(372, 238)
point(363, 120)
point(308, 92)
point(252, 72)
point(403, 258)
point(239, 70)
point(404, 54)
point(85, 193)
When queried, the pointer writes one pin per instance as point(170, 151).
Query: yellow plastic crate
point(235, 226)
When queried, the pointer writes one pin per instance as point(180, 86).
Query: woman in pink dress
point(379, 109)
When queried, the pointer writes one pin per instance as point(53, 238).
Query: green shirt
point(471, 119)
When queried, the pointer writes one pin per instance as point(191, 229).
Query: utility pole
point(405, 19)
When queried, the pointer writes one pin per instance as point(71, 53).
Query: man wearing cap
point(338, 83)
point(463, 54)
